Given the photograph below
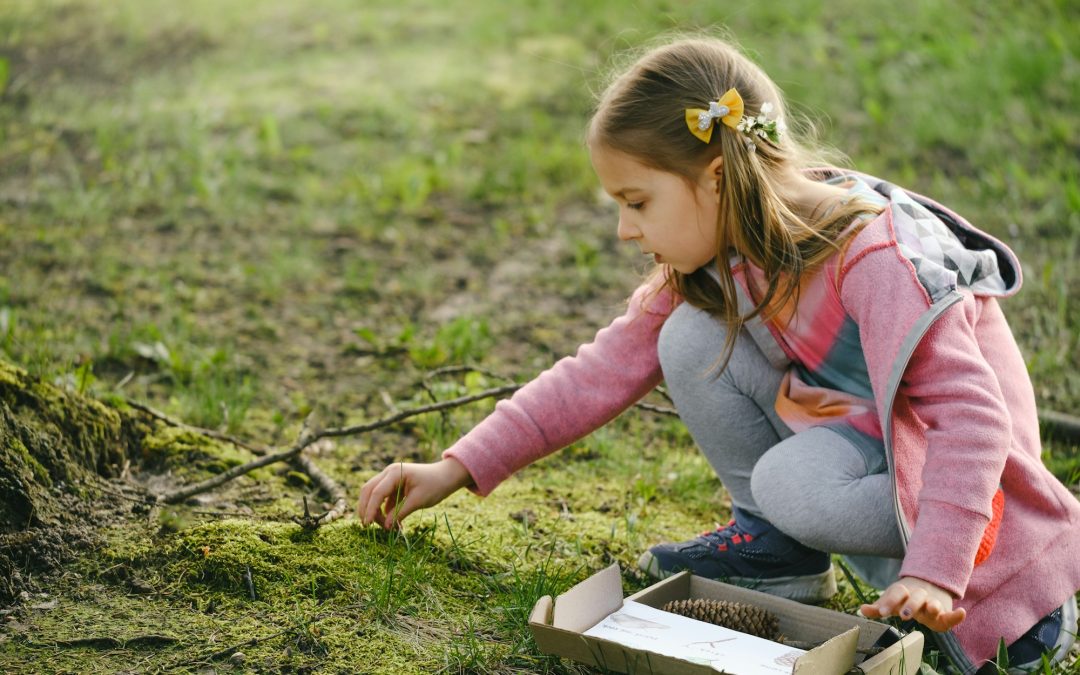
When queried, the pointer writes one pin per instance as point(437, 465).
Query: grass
point(249, 213)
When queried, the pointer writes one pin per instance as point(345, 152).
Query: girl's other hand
point(402, 488)
point(911, 598)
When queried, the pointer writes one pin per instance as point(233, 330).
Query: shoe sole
point(808, 588)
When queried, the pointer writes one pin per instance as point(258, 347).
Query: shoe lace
point(725, 535)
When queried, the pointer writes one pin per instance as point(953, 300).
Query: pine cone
point(734, 615)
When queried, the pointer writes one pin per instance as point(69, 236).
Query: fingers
point(891, 603)
point(365, 497)
point(396, 511)
point(380, 494)
point(402, 488)
point(954, 617)
point(914, 603)
point(941, 621)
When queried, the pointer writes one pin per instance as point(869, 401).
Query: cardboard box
point(557, 625)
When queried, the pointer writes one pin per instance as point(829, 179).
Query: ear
point(714, 171)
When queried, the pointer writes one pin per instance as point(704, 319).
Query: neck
point(808, 198)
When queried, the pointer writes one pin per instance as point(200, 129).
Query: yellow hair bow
point(729, 110)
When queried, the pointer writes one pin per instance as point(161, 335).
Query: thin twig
point(107, 642)
point(183, 493)
point(230, 650)
point(329, 486)
point(120, 495)
point(234, 514)
point(657, 408)
point(412, 412)
point(1060, 425)
point(258, 450)
point(249, 582)
point(444, 414)
point(307, 437)
point(456, 370)
point(427, 390)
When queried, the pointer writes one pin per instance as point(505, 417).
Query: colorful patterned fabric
point(828, 383)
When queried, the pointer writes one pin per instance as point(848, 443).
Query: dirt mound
point(55, 449)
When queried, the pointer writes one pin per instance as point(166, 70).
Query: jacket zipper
point(907, 350)
point(946, 641)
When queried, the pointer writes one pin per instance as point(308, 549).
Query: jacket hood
point(947, 251)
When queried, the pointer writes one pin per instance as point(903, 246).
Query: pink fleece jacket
point(956, 405)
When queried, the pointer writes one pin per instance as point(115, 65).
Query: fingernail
point(905, 613)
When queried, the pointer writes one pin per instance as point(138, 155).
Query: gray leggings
point(818, 486)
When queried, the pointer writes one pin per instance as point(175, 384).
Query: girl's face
point(666, 216)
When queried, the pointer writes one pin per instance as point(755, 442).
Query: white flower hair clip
point(762, 126)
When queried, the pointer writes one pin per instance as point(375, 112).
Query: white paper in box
point(559, 627)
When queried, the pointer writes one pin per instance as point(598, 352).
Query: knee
point(779, 491)
point(689, 342)
point(771, 484)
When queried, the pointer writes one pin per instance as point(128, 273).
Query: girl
point(835, 347)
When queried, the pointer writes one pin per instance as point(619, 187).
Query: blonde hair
point(641, 113)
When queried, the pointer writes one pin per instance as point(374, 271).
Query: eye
point(636, 206)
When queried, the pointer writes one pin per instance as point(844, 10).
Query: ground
point(249, 215)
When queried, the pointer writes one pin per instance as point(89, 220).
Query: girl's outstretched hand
point(402, 488)
point(911, 598)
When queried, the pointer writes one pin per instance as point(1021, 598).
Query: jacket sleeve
point(949, 391)
point(571, 399)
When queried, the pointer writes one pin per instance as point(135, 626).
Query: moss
point(298, 478)
point(91, 428)
point(187, 454)
point(11, 375)
point(348, 595)
point(19, 492)
point(21, 455)
point(452, 592)
point(88, 430)
point(49, 436)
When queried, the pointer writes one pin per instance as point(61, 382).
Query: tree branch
point(1060, 425)
point(663, 410)
point(257, 449)
point(329, 486)
point(307, 437)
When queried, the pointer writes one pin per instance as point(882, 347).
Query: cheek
point(708, 205)
point(707, 227)
point(705, 216)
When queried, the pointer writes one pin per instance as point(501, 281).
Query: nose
point(627, 229)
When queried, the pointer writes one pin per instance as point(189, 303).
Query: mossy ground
point(252, 214)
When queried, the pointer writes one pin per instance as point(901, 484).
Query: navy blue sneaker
point(749, 552)
point(1053, 635)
